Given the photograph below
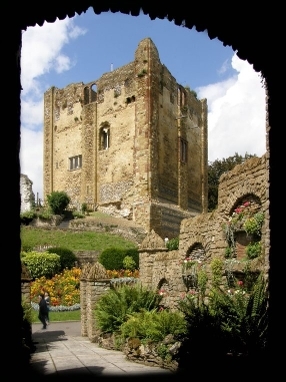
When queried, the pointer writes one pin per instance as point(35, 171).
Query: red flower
point(240, 283)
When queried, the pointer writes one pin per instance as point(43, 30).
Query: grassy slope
point(73, 240)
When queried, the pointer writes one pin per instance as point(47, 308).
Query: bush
point(26, 248)
point(58, 201)
point(253, 250)
point(154, 325)
point(129, 263)
point(84, 208)
point(67, 257)
point(41, 263)
point(115, 307)
point(28, 346)
point(45, 214)
point(173, 244)
point(113, 258)
point(27, 216)
point(233, 322)
point(77, 215)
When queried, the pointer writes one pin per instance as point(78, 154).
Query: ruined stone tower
point(134, 140)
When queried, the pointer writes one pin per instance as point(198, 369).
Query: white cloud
point(224, 67)
point(237, 114)
point(62, 63)
point(41, 53)
point(32, 113)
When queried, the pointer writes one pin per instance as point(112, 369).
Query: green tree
point(58, 201)
point(216, 169)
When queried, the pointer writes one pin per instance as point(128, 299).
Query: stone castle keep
point(134, 141)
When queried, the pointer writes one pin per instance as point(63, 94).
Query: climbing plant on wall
point(247, 218)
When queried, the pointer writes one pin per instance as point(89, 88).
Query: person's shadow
point(42, 341)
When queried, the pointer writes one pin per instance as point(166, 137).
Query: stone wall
point(27, 194)
point(202, 238)
point(90, 291)
point(93, 284)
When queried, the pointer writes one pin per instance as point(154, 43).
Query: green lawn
point(73, 315)
point(32, 237)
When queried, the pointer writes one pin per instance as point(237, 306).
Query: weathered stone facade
point(27, 194)
point(134, 140)
point(201, 238)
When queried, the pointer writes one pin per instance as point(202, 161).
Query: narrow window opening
point(183, 150)
point(75, 162)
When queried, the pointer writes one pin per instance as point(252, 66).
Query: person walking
point(43, 310)
point(47, 298)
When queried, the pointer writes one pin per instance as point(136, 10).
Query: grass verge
point(73, 315)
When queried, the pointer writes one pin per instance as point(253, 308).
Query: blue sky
point(86, 46)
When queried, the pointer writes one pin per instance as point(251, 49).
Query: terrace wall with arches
point(203, 239)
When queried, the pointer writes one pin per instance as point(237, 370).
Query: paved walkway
point(61, 352)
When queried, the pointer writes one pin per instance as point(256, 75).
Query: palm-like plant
point(227, 322)
point(243, 316)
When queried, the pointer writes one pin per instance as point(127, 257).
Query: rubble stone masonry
point(134, 140)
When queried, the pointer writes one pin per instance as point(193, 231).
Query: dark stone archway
point(246, 29)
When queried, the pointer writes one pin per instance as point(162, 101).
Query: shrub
point(67, 257)
point(45, 214)
point(253, 225)
point(115, 307)
point(229, 252)
point(28, 346)
point(253, 250)
point(112, 258)
point(27, 216)
point(41, 263)
point(154, 325)
point(27, 311)
point(58, 201)
point(204, 336)
point(26, 248)
point(244, 317)
point(173, 244)
point(84, 208)
point(129, 263)
point(77, 215)
point(227, 322)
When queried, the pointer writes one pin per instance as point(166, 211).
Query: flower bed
point(64, 289)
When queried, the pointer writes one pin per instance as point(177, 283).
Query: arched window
point(86, 95)
point(104, 136)
point(93, 93)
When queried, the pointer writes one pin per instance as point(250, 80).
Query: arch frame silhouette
point(247, 30)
